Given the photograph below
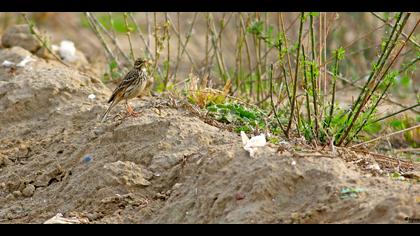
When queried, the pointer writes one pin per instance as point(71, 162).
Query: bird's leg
point(130, 110)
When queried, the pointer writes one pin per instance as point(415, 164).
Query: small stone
point(10, 197)
point(161, 196)
point(17, 194)
point(4, 161)
point(20, 35)
point(99, 131)
point(29, 190)
point(322, 209)
point(93, 216)
point(44, 53)
point(239, 196)
point(176, 186)
point(295, 216)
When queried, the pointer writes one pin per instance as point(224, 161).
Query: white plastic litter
point(251, 145)
point(7, 63)
point(92, 96)
point(59, 219)
point(22, 63)
point(25, 61)
point(67, 50)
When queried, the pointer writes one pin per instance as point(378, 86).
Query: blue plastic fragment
point(87, 159)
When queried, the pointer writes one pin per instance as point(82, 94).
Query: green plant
point(243, 118)
point(278, 65)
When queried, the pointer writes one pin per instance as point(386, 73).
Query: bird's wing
point(125, 83)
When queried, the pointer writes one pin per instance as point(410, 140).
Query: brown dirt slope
point(165, 166)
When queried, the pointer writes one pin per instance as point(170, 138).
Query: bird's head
point(140, 63)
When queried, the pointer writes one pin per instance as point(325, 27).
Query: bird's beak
point(149, 62)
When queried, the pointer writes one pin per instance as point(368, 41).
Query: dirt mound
point(165, 166)
point(27, 92)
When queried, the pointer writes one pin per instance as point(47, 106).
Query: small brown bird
point(134, 84)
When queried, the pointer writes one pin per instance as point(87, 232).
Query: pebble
point(176, 186)
point(239, 196)
point(87, 159)
point(5, 161)
point(99, 130)
point(29, 190)
point(17, 193)
point(295, 216)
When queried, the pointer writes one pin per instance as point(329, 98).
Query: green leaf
point(397, 124)
point(405, 81)
point(373, 128)
point(340, 51)
point(256, 27)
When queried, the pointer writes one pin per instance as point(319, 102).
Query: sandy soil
point(165, 166)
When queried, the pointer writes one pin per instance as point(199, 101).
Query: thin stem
point(41, 40)
point(333, 91)
point(95, 29)
point(395, 113)
point(157, 43)
point(308, 110)
point(111, 36)
point(387, 86)
point(386, 136)
point(285, 44)
point(140, 33)
point(313, 78)
point(369, 114)
point(149, 34)
point(238, 56)
point(207, 44)
point(272, 102)
point(360, 87)
point(257, 48)
point(392, 26)
point(393, 60)
point(217, 51)
point(363, 94)
point(178, 53)
point(248, 54)
point(168, 38)
point(129, 36)
point(325, 64)
point(184, 45)
point(289, 97)
point(222, 26)
point(292, 111)
point(146, 43)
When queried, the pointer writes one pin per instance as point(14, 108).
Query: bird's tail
point(107, 111)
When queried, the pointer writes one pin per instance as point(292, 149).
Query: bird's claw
point(131, 112)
